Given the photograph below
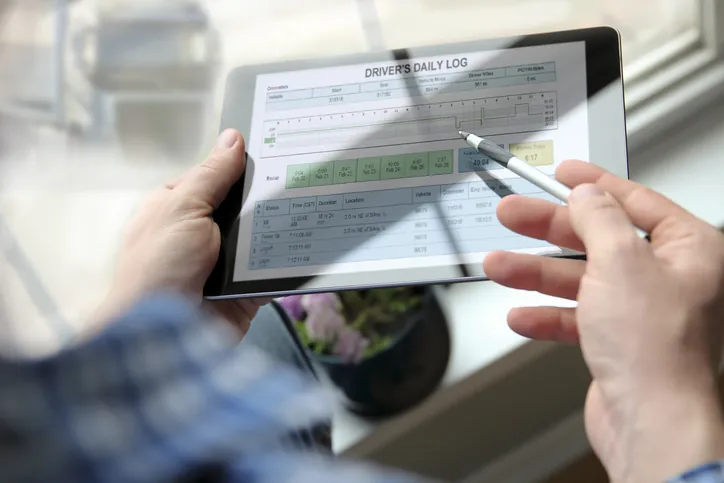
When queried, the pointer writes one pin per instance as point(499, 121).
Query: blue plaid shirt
point(165, 395)
point(709, 473)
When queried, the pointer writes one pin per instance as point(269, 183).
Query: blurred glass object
point(150, 67)
point(27, 37)
point(32, 62)
point(160, 47)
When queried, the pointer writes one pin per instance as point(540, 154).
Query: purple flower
point(324, 323)
point(351, 346)
point(313, 302)
point(292, 305)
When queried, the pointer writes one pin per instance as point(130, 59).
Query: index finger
point(646, 208)
point(540, 219)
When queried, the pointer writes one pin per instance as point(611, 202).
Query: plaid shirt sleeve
point(709, 473)
point(164, 394)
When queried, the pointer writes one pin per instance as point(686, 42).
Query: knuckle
point(603, 203)
point(638, 196)
point(628, 243)
point(596, 205)
point(213, 162)
point(209, 169)
point(717, 249)
point(623, 243)
point(710, 242)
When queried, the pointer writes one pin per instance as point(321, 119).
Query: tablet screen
point(357, 176)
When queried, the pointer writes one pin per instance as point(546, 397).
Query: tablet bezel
point(605, 99)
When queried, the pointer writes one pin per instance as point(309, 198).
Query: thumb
point(211, 181)
point(603, 226)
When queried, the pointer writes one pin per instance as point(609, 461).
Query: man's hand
point(649, 316)
point(173, 243)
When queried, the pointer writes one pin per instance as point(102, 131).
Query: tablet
point(356, 176)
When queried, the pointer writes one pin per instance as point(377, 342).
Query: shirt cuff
point(708, 473)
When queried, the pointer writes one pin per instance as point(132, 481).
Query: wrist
point(676, 435)
point(121, 297)
point(114, 304)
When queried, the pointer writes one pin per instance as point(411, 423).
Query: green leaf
point(398, 306)
point(319, 347)
point(377, 347)
point(360, 321)
point(301, 329)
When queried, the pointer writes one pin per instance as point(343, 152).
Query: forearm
point(111, 308)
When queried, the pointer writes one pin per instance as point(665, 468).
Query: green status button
point(368, 169)
point(393, 167)
point(417, 165)
point(321, 174)
point(345, 171)
point(441, 162)
point(298, 176)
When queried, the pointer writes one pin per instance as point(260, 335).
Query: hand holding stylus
point(524, 170)
point(649, 316)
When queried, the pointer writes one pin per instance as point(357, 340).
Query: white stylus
point(522, 169)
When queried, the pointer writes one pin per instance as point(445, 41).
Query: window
point(644, 24)
point(670, 47)
point(678, 74)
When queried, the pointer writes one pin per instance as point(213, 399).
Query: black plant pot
point(403, 374)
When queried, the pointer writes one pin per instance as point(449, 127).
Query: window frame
point(665, 87)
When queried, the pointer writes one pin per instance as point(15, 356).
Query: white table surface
point(480, 335)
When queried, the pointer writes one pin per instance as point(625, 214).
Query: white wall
point(687, 164)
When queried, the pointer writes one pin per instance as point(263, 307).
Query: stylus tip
point(463, 134)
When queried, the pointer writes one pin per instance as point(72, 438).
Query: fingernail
point(585, 191)
point(227, 139)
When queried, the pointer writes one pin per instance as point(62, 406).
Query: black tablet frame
point(603, 68)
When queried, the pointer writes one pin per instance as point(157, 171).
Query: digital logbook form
point(360, 168)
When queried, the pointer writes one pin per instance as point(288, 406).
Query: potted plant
point(386, 349)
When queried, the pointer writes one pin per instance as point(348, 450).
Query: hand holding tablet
point(172, 244)
point(356, 175)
